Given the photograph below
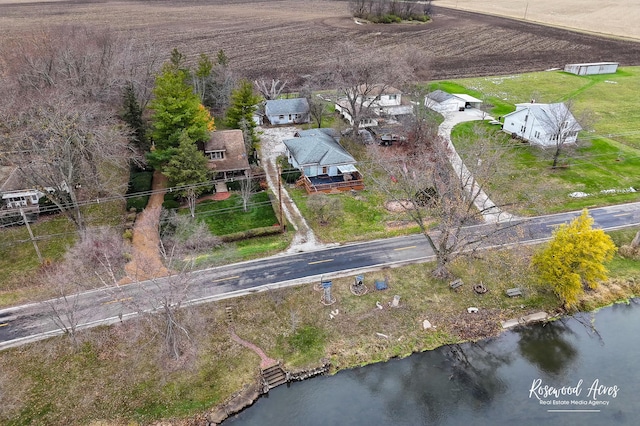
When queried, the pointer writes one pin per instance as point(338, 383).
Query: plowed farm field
point(292, 38)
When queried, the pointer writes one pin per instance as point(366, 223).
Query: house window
point(324, 170)
point(526, 117)
point(281, 117)
point(216, 155)
point(393, 97)
point(522, 128)
point(537, 134)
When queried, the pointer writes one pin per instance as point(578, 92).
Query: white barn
point(542, 124)
point(592, 68)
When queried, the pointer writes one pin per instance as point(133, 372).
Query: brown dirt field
point(293, 38)
point(618, 17)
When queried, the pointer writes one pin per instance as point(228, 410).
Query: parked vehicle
point(366, 136)
point(389, 138)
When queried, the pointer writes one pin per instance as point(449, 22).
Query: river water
point(499, 381)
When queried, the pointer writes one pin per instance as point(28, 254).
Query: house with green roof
point(325, 165)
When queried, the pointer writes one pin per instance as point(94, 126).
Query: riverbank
point(139, 383)
point(486, 383)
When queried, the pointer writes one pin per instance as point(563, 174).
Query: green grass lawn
point(362, 217)
point(611, 98)
point(227, 216)
point(607, 160)
point(533, 187)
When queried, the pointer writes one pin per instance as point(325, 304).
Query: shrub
point(137, 203)
point(140, 181)
point(288, 173)
point(323, 207)
point(170, 202)
point(183, 235)
point(252, 233)
point(630, 252)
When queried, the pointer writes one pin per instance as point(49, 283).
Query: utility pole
point(35, 245)
point(282, 225)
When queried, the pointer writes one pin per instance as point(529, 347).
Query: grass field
point(607, 159)
point(19, 264)
point(227, 216)
point(611, 98)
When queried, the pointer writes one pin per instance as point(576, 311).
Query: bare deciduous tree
point(246, 190)
point(318, 107)
point(560, 126)
point(440, 199)
point(70, 151)
point(270, 90)
point(161, 309)
point(362, 75)
point(65, 133)
point(97, 259)
point(81, 62)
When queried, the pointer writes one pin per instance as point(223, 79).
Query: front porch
point(326, 183)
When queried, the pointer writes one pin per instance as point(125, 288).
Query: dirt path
point(146, 262)
point(265, 361)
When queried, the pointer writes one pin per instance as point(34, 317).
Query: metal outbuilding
point(592, 68)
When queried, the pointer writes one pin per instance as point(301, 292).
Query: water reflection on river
point(488, 383)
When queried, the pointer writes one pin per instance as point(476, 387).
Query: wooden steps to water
point(273, 376)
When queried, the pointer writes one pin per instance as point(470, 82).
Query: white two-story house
point(374, 103)
point(545, 125)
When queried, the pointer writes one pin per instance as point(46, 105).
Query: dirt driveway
point(146, 262)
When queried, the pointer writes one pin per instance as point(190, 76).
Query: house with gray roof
point(287, 111)
point(325, 165)
point(545, 125)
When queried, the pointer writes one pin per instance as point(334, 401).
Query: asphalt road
point(22, 324)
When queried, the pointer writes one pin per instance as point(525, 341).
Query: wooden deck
point(355, 184)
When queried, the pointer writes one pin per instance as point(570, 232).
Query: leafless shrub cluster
point(324, 208)
point(96, 260)
point(183, 236)
point(377, 9)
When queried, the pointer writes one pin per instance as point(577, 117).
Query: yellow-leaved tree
point(574, 259)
